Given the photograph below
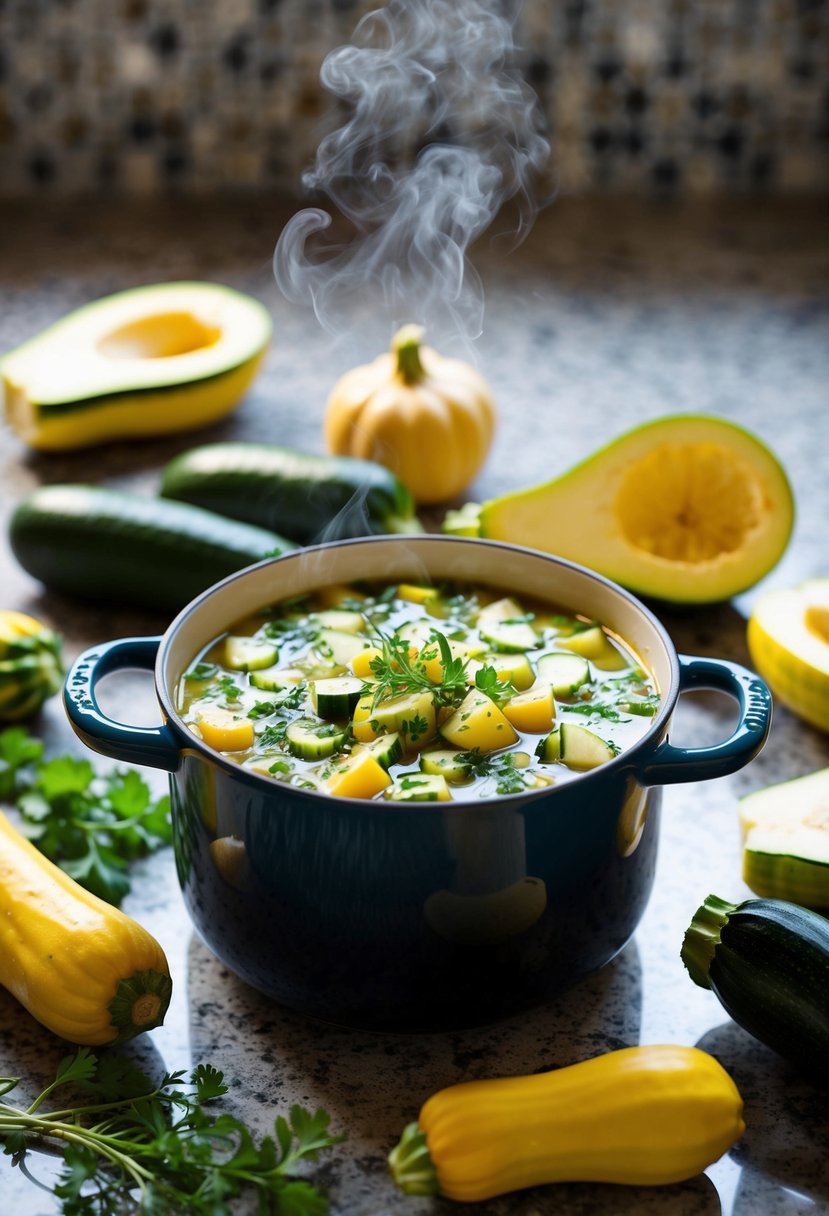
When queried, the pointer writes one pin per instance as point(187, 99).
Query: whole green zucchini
point(106, 546)
point(309, 498)
point(767, 961)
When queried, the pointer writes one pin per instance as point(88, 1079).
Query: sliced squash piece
point(147, 361)
point(412, 716)
point(788, 639)
point(581, 748)
point(503, 624)
point(419, 787)
point(785, 831)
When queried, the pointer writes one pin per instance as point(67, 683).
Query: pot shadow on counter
point(374, 1083)
point(782, 1155)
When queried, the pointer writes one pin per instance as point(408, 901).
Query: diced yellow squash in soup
point(360, 776)
point(532, 711)
point(479, 724)
point(412, 715)
point(223, 730)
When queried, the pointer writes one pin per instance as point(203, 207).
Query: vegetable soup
point(417, 693)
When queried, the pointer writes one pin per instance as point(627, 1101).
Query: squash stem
point(411, 1165)
point(406, 346)
point(140, 1003)
point(703, 936)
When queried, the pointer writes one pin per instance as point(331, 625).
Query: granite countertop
point(613, 313)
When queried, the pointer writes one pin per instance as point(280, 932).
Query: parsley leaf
point(92, 825)
point(157, 1148)
point(486, 679)
point(397, 672)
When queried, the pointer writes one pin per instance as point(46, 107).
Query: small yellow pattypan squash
point(428, 418)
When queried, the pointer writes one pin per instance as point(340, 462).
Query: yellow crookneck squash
point(428, 418)
point(650, 1115)
point(83, 968)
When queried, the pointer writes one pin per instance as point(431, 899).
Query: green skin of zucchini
point(307, 498)
point(767, 961)
point(103, 546)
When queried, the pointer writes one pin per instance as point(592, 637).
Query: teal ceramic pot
point(414, 916)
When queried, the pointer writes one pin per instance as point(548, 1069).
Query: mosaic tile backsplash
point(143, 97)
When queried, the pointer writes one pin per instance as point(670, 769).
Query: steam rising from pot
point(442, 132)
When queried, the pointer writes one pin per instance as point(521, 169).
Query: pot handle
point(155, 746)
point(670, 764)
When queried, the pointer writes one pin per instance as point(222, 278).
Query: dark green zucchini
point(309, 498)
point(767, 961)
point(105, 546)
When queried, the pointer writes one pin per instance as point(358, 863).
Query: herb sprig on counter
point(134, 1144)
point(93, 825)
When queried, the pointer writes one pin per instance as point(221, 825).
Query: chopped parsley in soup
point(417, 693)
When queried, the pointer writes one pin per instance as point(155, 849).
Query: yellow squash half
point(689, 508)
point(148, 361)
point(84, 969)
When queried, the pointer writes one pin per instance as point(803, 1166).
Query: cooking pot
point(414, 916)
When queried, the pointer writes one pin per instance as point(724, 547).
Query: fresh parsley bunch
point(135, 1146)
point(92, 825)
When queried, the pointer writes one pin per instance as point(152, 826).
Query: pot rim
point(256, 780)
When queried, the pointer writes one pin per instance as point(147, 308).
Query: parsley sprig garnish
point(486, 679)
point(93, 825)
point(134, 1145)
point(396, 672)
point(501, 767)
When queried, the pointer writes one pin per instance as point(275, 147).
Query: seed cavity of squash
point(688, 502)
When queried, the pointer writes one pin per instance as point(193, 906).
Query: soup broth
point(415, 693)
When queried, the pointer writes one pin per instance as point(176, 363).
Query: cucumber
point(306, 497)
point(312, 740)
point(767, 961)
point(334, 699)
point(106, 546)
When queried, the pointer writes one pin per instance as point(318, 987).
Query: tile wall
point(199, 96)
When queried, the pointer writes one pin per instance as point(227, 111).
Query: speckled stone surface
point(613, 313)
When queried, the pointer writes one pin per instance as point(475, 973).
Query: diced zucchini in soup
point(248, 653)
point(413, 693)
